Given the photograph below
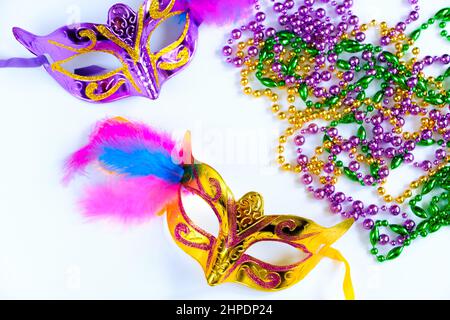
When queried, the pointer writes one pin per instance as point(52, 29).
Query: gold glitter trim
point(83, 33)
point(57, 66)
point(183, 57)
point(132, 52)
point(155, 12)
point(90, 89)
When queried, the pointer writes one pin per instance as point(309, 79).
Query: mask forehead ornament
point(128, 37)
point(146, 175)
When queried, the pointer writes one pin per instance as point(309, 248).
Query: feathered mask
point(143, 174)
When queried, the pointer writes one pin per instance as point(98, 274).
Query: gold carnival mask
point(147, 173)
point(242, 224)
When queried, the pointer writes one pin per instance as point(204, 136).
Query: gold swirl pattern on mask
point(92, 87)
point(134, 53)
point(57, 66)
point(249, 210)
point(195, 237)
point(183, 58)
point(251, 272)
point(85, 33)
point(155, 9)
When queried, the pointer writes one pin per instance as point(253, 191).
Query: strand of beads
point(327, 72)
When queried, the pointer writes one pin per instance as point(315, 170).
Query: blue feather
point(142, 162)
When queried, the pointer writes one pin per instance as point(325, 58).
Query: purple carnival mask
point(127, 36)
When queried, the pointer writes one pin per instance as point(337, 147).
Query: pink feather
point(110, 131)
point(220, 12)
point(119, 196)
point(128, 200)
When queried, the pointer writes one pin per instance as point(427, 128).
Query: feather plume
point(219, 12)
point(142, 170)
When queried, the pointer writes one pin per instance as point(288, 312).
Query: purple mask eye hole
point(167, 32)
point(92, 64)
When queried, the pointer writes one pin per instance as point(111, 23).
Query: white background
point(48, 251)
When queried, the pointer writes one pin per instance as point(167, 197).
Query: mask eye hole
point(167, 32)
point(200, 213)
point(92, 64)
point(276, 253)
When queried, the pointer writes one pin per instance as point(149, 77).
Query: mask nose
point(148, 80)
point(213, 279)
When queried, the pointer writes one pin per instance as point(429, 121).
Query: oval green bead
point(399, 229)
point(285, 34)
point(394, 253)
point(378, 96)
point(421, 85)
point(355, 48)
point(400, 81)
point(374, 236)
point(268, 82)
point(433, 228)
point(374, 168)
point(365, 81)
point(415, 34)
point(361, 96)
point(263, 55)
point(391, 58)
point(427, 142)
point(428, 186)
point(311, 51)
point(442, 14)
point(343, 64)
point(350, 174)
point(361, 134)
point(422, 226)
point(418, 211)
point(397, 161)
point(333, 100)
point(292, 65)
point(349, 43)
point(348, 118)
point(303, 91)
